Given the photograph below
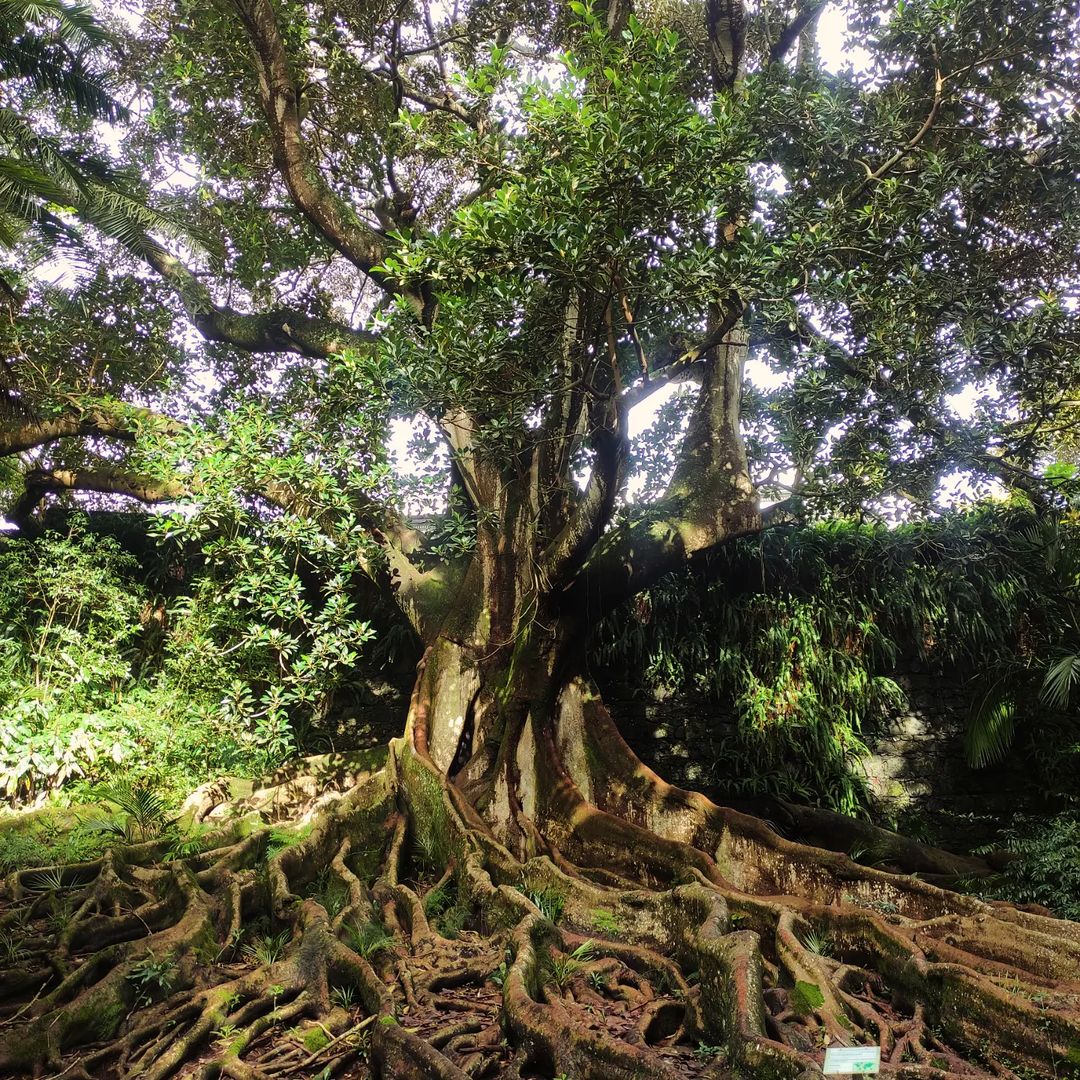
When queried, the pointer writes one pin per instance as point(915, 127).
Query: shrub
point(69, 630)
point(1047, 871)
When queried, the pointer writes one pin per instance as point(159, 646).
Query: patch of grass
point(369, 938)
point(437, 901)
point(51, 839)
point(818, 944)
point(331, 892)
point(453, 922)
point(12, 948)
point(550, 902)
point(184, 845)
point(49, 879)
point(345, 996)
point(605, 922)
point(61, 912)
point(280, 839)
point(268, 949)
point(562, 969)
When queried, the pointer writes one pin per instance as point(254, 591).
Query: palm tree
point(51, 49)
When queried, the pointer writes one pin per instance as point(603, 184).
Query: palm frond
point(73, 24)
point(47, 67)
point(1059, 680)
point(991, 726)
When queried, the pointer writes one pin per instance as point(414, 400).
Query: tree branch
point(331, 215)
point(710, 498)
point(111, 420)
point(681, 367)
point(790, 34)
point(886, 166)
point(418, 591)
point(725, 21)
point(566, 553)
point(280, 330)
point(107, 481)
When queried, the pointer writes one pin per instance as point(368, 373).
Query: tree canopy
point(448, 216)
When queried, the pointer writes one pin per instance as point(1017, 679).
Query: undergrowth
point(796, 633)
point(206, 655)
point(130, 665)
point(1047, 868)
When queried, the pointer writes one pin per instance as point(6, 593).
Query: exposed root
point(630, 930)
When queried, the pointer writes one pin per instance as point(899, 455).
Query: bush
point(1047, 871)
point(100, 678)
point(796, 632)
point(268, 629)
point(69, 631)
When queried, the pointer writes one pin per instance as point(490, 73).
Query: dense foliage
point(127, 661)
point(166, 672)
point(1046, 868)
point(799, 633)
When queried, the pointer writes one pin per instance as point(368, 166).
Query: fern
point(48, 47)
point(991, 726)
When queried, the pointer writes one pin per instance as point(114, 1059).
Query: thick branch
point(418, 591)
point(725, 21)
point(710, 499)
point(107, 481)
point(566, 553)
point(607, 437)
point(109, 420)
point(272, 331)
point(790, 34)
point(331, 215)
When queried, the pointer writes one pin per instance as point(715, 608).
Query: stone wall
point(917, 770)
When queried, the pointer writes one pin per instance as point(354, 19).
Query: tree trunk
point(511, 893)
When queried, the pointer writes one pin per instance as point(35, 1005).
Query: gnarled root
point(630, 930)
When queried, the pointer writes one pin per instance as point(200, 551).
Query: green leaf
point(991, 726)
point(1059, 680)
point(806, 997)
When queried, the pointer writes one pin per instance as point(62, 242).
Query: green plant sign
point(848, 1060)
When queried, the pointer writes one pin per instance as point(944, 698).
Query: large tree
point(508, 224)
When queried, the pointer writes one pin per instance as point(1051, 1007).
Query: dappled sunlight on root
point(390, 933)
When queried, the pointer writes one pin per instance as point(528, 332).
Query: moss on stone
point(315, 1039)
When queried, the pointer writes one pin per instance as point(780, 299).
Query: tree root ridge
point(395, 935)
